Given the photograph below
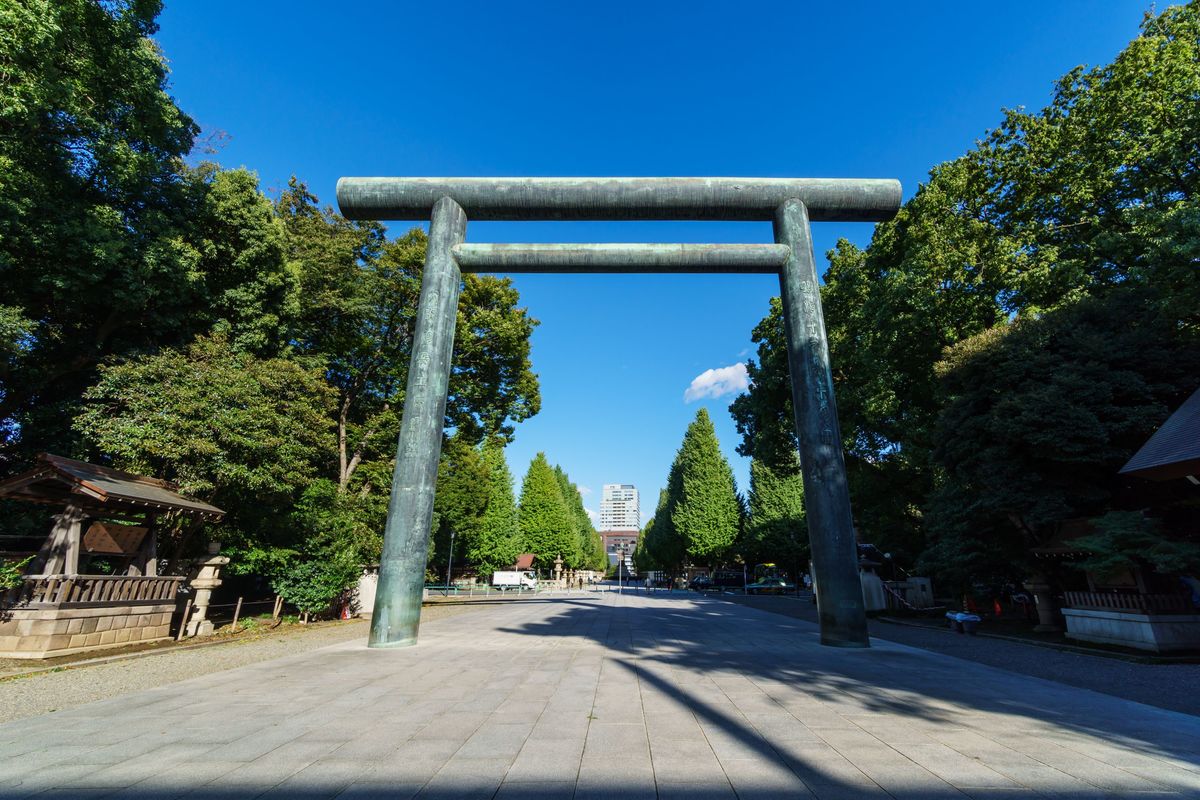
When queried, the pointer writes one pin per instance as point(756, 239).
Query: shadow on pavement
point(674, 641)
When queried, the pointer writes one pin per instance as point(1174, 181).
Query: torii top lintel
point(516, 199)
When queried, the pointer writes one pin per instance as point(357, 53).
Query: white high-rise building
point(619, 509)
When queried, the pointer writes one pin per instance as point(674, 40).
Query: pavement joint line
point(637, 674)
point(1046, 763)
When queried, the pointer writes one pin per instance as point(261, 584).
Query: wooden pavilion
point(1138, 608)
point(108, 518)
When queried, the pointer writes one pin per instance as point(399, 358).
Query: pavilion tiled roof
point(64, 481)
point(1174, 449)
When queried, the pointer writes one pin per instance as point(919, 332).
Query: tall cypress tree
point(643, 558)
point(591, 547)
point(705, 512)
point(776, 530)
point(547, 526)
point(497, 540)
point(663, 543)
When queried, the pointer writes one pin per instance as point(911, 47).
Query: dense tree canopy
point(242, 432)
point(1093, 196)
point(109, 244)
point(496, 540)
point(1083, 387)
point(775, 530)
point(173, 320)
point(591, 546)
point(357, 315)
point(458, 502)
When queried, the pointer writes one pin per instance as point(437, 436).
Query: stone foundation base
point(49, 632)
point(1159, 633)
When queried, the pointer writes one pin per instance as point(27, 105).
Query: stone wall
point(49, 632)
point(1160, 633)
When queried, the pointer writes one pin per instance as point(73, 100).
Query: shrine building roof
point(56, 480)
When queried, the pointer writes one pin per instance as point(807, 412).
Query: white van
point(514, 580)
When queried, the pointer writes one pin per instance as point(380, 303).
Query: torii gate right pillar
point(826, 495)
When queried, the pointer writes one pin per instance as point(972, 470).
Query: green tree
point(358, 309)
point(357, 315)
point(459, 501)
point(664, 546)
point(244, 288)
point(1128, 540)
point(1092, 194)
point(643, 558)
point(496, 542)
point(1099, 188)
point(596, 558)
point(776, 529)
point(1038, 417)
point(332, 525)
point(241, 432)
point(312, 586)
point(548, 528)
point(110, 245)
point(705, 512)
point(590, 551)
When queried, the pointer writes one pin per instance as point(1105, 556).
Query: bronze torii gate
point(790, 203)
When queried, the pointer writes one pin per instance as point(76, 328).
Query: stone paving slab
point(607, 696)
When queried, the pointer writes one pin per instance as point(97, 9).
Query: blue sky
point(879, 90)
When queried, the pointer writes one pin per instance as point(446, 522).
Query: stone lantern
point(208, 570)
point(558, 568)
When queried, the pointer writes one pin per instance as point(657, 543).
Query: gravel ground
point(54, 691)
point(1169, 686)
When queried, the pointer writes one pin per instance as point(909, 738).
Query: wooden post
point(278, 607)
point(237, 612)
point(183, 623)
point(60, 553)
point(149, 552)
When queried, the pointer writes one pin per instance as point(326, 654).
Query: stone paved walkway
point(607, 696)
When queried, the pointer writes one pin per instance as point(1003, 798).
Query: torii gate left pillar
point(788, 203)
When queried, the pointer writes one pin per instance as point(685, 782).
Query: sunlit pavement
point(607, 695)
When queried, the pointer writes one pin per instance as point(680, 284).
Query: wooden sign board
point(109, 539)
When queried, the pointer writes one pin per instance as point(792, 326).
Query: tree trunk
point(343, 465)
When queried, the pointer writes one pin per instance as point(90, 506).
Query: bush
point(1129, 540)
point(312, 586)
point(11, 572)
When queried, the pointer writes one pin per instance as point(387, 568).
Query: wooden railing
point(1131, 603)
point(91, 590)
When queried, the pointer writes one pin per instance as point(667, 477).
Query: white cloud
point(719, 382)
point(583, 490)
point(592, 515)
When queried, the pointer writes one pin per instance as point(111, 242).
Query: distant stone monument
point(789, 203)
